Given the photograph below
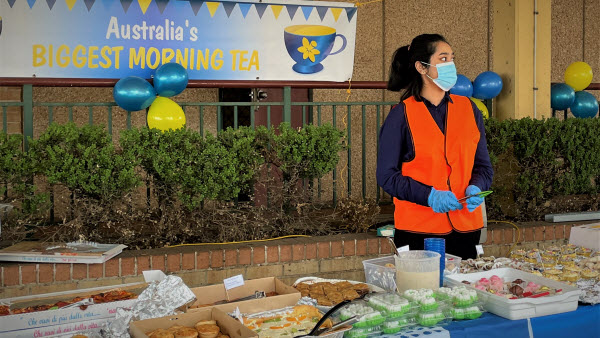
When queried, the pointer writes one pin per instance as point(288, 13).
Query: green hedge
point(543, 166)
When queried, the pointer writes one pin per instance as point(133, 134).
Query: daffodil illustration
point(309, 49)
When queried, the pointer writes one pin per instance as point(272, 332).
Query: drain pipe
point(535, 89)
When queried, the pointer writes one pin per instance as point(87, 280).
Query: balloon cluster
point(134, 93)
point(486, 86)
point(571, 94)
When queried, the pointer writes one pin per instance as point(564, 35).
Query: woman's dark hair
point(403, 74)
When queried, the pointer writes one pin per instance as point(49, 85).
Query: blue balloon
point(561, 96)
point(463, 87)
point(133, 93)
point(585, 105)
point(170, 79)
point(487, 85)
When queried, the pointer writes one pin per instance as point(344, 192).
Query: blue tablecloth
point(584, 322)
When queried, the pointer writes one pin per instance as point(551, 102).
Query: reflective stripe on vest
point(442, 161)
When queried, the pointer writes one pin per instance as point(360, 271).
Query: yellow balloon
point(579, 75)
point(482, 107)
point(165, 114)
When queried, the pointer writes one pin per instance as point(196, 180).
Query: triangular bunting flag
point(292, 9)
point(322, 11)
point(307, 10)
point(260, 9)
point(276, 10)
point(11, 3)
point(196, 5)
point(70, 3)
point(336, 13)
point(144, 5)
point(89, 4)
point(50, 3)
point(162, 4)
point(244, 8)
point(228, 7)
point(212, 7)
point(30, 3)
point(350, 12)
point(126, 4)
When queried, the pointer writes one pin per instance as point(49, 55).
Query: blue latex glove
point(443, 201)
point(473, 202)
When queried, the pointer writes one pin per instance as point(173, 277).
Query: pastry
point(79, 336)
point(516, 290)
point(570, 276)
point(174, 328)
point(208, 330)
point(324, 301)
point(205, 322)
point(343, 285)
point(161, 333)
point(186, 332)
point(305, 293)
point(301, 286)
point(350, 294)
point(552, 272)
point(589, 273)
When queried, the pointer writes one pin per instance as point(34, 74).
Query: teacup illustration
point(308, 45)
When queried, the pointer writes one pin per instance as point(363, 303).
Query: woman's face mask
point(446, 75)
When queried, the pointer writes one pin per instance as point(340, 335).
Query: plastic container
point(524, 307)
point(417, 269)
point(363, 332)
point(392, 326)
point(432, 318)
point(378, 274)
point(367, 316)
point(391, 305)
point(438, 245)
point(464, 313)
point(452, 264)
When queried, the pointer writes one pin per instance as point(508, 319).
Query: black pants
point(461, 244)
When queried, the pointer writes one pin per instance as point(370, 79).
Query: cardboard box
point(262, 304)
point(65, 330)
point(587, 236)
point(229, 326)
point(216, 293)
point(11, 325)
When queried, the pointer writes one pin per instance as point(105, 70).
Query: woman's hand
point(475, 201)
point(443, 201)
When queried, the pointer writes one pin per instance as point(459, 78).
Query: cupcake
point(589, 273)
point(570, 276)
point(552, 272)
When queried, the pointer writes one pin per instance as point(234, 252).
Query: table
point(584, 322)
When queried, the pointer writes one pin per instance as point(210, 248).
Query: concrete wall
point(575, 36)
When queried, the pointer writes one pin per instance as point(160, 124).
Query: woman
point(433, 151)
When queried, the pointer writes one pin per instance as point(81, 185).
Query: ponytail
point(403, 73)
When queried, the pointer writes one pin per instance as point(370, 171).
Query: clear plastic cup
point(418, 269)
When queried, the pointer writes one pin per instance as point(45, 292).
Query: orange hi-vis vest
point(443, 161)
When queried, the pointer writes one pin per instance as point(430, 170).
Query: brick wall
point(13, 114)
point(338, 256)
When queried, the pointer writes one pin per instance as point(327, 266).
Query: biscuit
point(350, 294)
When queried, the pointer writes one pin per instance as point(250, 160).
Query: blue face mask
point(446, 75)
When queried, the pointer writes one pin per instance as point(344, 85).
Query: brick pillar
point(14, 114)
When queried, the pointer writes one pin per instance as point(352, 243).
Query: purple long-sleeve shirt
point(396, 146)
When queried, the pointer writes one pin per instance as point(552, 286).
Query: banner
point(213, 40)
